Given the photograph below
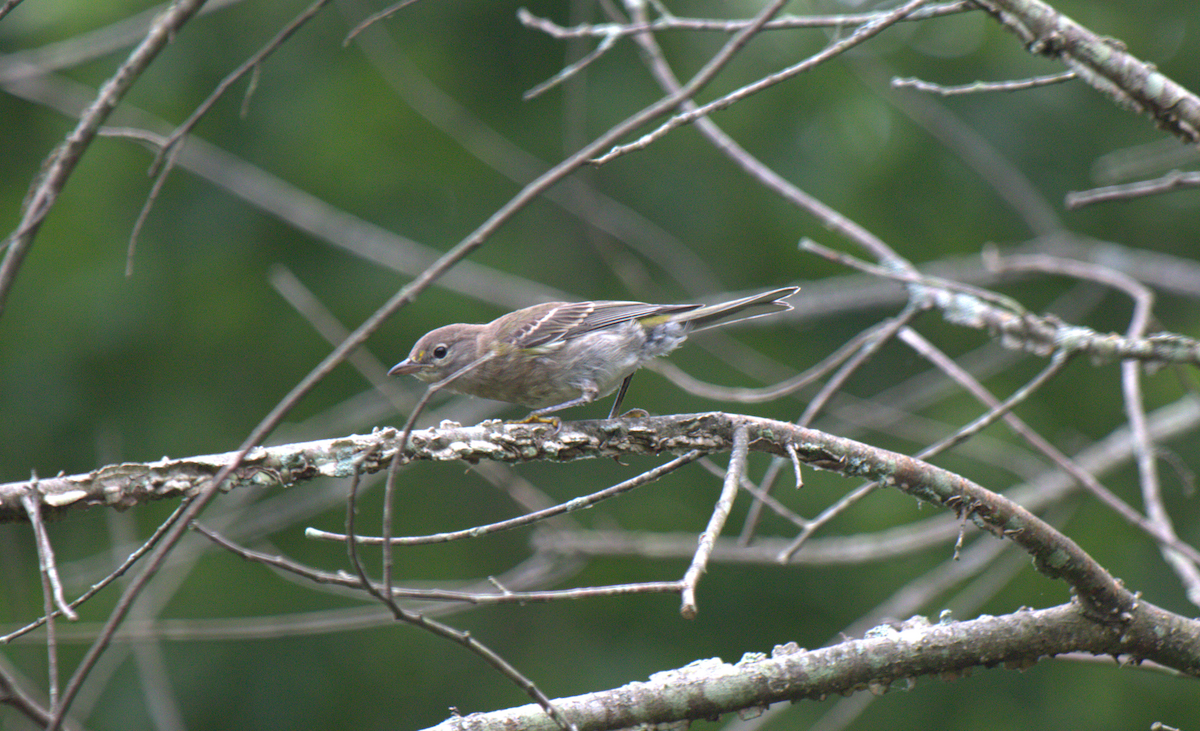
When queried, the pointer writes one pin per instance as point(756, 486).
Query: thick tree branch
point(1054, 554)
point(708, 688)
point(1103, 63)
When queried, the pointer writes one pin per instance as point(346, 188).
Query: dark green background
point(185, 356)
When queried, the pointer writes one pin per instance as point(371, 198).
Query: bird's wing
point(607, 314)
point(545, 324)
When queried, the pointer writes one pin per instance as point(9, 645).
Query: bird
point(557, 355)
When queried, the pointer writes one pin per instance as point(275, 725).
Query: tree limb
point(706, 689)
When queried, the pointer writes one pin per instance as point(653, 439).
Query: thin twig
point(112, 576)
point(754, 167)
point(310, 307)
point(791, 450)
point(1174, 180)
point(870, 347)
point(59, 165)
point(674, 22)
point(606, 44)
point(1018, 328)
point(864, 33)
point(785, 555)
point(45, 561)
point(733, 477)
point(866, 343)
point(372, 19)
point(458, 596)
point(982, 87)
point(882, 336)
point(442, 630)
point(8, 6)
point(12, 694)
point(389, 500)
point(164, 161)
point(579, 503)
point(756, 492)
point(1083, 477)
point(352, 545)
point(406, 431)
point(996, 409)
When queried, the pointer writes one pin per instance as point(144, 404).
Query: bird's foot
point(635, 414)
point(536, 418)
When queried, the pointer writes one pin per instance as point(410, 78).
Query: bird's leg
point(586, 396)
point(637, 413)
point(620, 396)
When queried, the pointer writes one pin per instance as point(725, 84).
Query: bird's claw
point(536, 418)
point(635, 414)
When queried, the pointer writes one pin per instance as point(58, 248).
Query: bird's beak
point(406, 367)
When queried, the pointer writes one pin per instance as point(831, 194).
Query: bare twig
point(164, 161)
point(881, 337)
point(352, 545)
point(478, 596)
point(1174, 180)
point(983, 87)
point(7, 7)
point(317, 218)
point(389, 500)
point(996, 409)
point(733, 477)
point(675, 22)
point(59, 165)
point(1065, 463)
point(606, 44)
point(1018, 328)
point(374, 18)
point(112, 576)
point(84, 47)
point(756, 169)
point(50, 592)
point(579, 503)
point(770, 393)
point(809, 530)
point(12, 694)
point(383, 593)
point(46, 563)
point(302, 299)
point(859, 36)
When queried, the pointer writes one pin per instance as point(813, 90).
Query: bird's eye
point(440, 351)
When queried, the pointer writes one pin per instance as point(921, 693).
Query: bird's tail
point(746, 308)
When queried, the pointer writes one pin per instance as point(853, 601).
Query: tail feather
point(746, 308)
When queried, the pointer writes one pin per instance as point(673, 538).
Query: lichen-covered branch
point(1104, 63)
point(128, 484)
point(887, 656)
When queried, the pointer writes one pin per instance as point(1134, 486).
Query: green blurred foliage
point(193, 349)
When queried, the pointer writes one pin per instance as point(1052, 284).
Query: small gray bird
point(561, 354)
